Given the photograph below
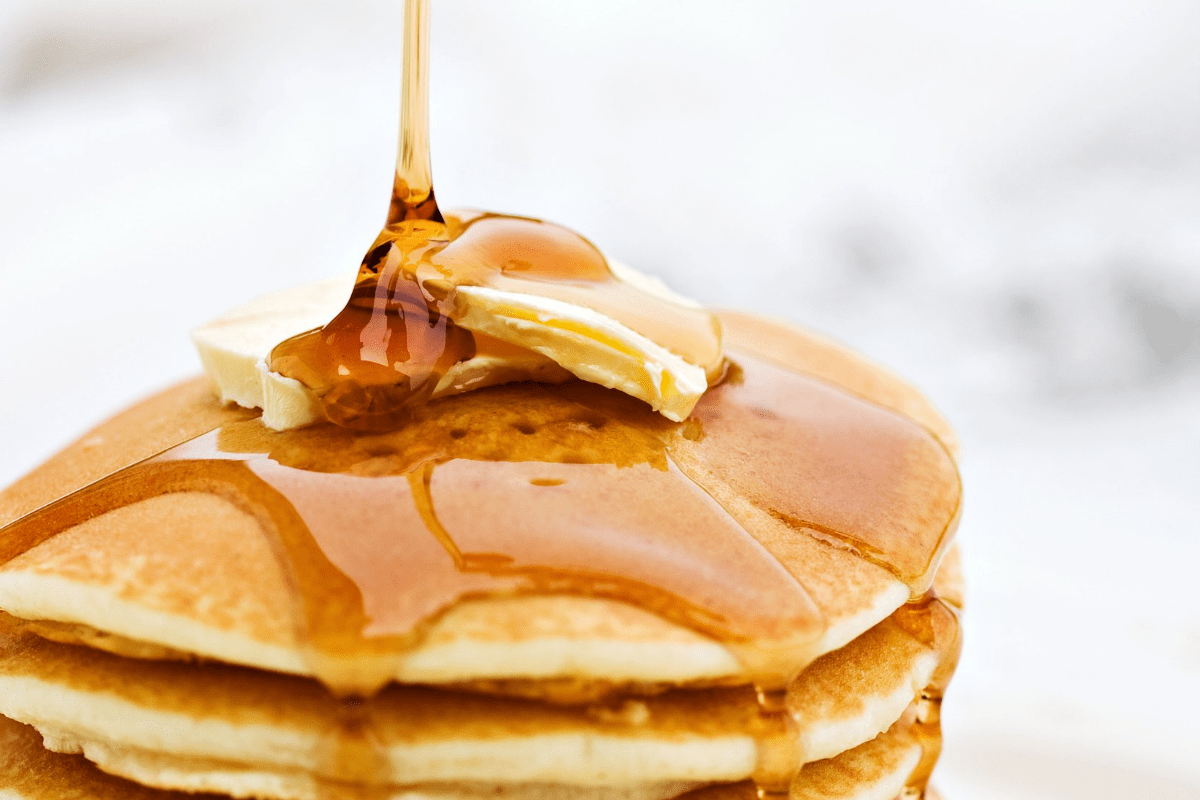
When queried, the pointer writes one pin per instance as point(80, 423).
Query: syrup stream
point(412, 191)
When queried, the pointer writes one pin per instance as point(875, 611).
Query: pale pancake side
point(29, 772)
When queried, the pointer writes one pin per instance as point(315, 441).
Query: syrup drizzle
point(412, 189)
point(399, 332)
point(935, 623)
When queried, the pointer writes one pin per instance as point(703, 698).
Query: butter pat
point(519, 337)
point(590, 345)
point(232, 345)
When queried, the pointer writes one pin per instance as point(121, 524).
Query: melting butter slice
point(519, 337)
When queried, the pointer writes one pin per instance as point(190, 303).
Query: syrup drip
point(934, 623)
point(353, 755)
point(779, 756)
point(931, 621)
point(399, 332)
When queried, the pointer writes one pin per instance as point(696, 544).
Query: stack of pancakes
point(172, 639)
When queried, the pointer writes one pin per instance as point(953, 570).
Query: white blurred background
point(1001, 200)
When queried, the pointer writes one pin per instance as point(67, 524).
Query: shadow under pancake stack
point(540, 589)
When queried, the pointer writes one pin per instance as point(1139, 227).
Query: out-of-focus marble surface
point(1000, 200)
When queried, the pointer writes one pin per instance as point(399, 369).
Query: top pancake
point(189, 573)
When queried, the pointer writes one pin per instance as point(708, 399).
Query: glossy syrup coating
point(580, 490)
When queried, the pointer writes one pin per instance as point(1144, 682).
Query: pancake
point(539, 591)
point(186, 574)
point(30, 772)
point(238, 729)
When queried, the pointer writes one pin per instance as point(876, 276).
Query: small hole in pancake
point(525, 428)
point(593, 421)
point(458, 433)
point(547, 481)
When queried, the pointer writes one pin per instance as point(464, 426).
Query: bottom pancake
point(877, 770)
